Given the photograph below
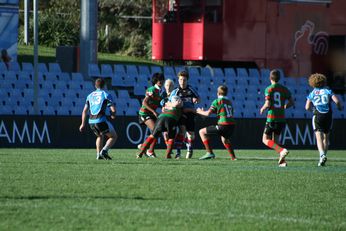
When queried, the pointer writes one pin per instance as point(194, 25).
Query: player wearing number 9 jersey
point(276, 96)
point(321, 98)
point(221, 106)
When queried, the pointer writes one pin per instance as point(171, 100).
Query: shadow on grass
point(59, 197)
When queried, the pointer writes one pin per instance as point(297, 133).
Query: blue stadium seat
point(123, 94)
point(119, 68)
point(134, 103)
point(156, 69)
point(14, 66)
point(169, 72)
point(253, 73)
point(242, 73)
point(42, 68)
point(54, 68)
point(230, 73)
point(178, 69)
point(131, 111)
point(25, 76)
point(64, 111)
point(3, 67)
point(93, 70)
point(131, 70)
point(64, 77)
point(106, 71)
point(77, 77)
point(144, 70)
point(52, 77)
point(265, 73)
point(27, 67)
point(139, 90)
point(10, 76)
point(6, 110)
point(194, 72)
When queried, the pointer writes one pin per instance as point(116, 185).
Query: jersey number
point(95, 100)
point(321, 99)
point(277, 100)
point(229, 111)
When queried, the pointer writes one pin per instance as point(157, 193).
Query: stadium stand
point(64, 94)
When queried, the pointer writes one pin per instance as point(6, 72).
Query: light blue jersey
point(98, 101)
point(320, 98)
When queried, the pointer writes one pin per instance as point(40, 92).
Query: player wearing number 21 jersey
point(276, 96)
point(221, 106)
point(321, 98)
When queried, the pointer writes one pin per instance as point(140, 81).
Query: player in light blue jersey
point(319, 101)
point(96, 104)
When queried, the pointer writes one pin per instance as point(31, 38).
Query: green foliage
point(59, 24)
point(66, 189)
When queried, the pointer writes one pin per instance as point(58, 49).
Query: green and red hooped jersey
point(174, 113)
point(222, 106)
point(277, 94)
point(154, 100)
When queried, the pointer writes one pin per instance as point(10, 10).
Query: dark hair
point(157, 77)
point(184, 74)
point(99, 83)
point(275, 75)
point(222, 90)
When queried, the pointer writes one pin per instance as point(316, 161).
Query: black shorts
point(275, 127)
point(322, 122)
point(101, 128)
point(165, 124)
point(142, 119)
point(225, 131)
point(188, 120)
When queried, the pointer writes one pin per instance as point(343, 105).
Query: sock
point(189, 145)
point(207, 146)
point(106, 148)
point(230, 150)
point(271, 144)
point(169, 147)
point(322, 154)
point(146, 144)
point(152, 146)
point(179, 143)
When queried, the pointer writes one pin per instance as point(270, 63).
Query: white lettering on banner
point(21, 136)
point(129, 135)
point(301, 138)
point(142, 134)
point(23, 133)
point(3, 132)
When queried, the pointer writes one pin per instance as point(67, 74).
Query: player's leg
point(179, 139)
point(227, 144)
point(150, 123)
point(320, 137)
point(268, 140)
point(190, 135)
point(99, 145)
point(205, 133)
point(170, 134)
point(205, 140)
point(157, 130)
point(112, 137)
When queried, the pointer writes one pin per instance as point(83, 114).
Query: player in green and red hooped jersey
point(166, 122)
point(276, 96)
point(147, 112)
point(221, 106)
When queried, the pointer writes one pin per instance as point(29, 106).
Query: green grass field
point(65, 189)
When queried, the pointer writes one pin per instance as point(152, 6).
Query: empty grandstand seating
point(62, 93)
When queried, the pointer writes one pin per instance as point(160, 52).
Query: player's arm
point(290, 103)
point(308, 105)
point(146, 104)
point(265, 106)
point(337, 102)
point(113, 111)
point(200, 111)
point(84, 118)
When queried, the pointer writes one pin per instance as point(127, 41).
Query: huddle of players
point(178, 111)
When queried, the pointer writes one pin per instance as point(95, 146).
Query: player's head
point(157, 79)
point(169, 85)
point(222, 90)
point(183, 77)
point(317, 80)
point(275, 75)
point(99, 83)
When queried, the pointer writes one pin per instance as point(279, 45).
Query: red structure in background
point(299, 36)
